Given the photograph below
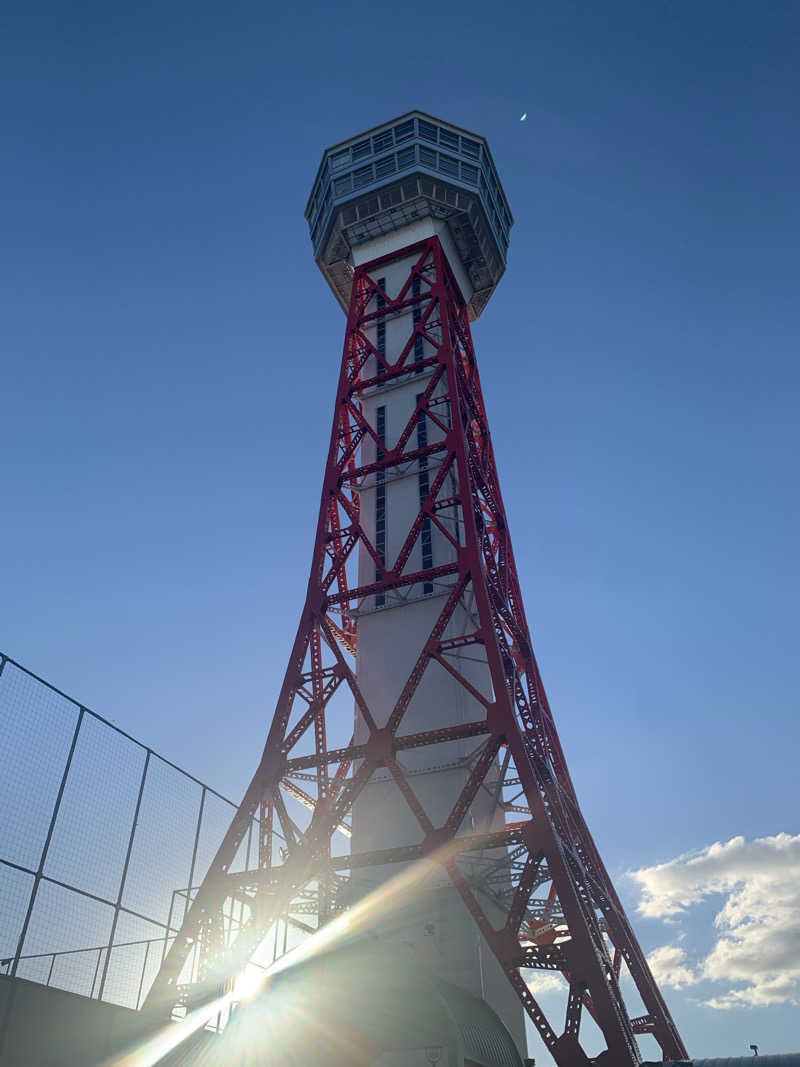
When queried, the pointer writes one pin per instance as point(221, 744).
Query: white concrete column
point(391, 633)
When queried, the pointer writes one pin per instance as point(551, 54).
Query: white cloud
point(670, 967)
point(542, 982)
point(757, 943)
point(780, 990)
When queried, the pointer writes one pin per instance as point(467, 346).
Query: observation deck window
point(403, 131)
point(362, 176)
point(470, 148)
point(427, 130)
point(362, 149)
point(406, 158)
point(469, 173)
point(385, 166)
point(381, 141)
point(341, 159)
point(448, 165)
point(427, 156)
point(449, 140)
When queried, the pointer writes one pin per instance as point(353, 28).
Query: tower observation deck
point(413, 175)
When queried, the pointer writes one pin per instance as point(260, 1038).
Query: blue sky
point(169, 354)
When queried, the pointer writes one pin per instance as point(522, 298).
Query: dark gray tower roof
point(414, 167)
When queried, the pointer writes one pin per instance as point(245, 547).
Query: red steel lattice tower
point(414, 611)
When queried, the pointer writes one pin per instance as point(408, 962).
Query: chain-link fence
point(101, 843)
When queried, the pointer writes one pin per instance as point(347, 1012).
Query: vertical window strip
point(380, 502)
point(419, 343)
point(380, 330)
point(426, 534)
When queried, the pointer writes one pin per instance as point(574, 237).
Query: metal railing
point(97, 952)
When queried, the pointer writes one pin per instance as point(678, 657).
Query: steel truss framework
point(541, 872)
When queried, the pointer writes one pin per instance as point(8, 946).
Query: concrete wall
point(45, 1027)
point(41, 1026)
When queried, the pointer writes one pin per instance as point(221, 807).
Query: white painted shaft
point(391, 633)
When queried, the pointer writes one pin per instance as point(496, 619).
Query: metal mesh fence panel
point(37, 726)
point(75, 971)
point(217, 815)
point(163, 846)
point(91, 835)
point(15, 892)
point(63, 920)
point(37, 968)
point(133, 961)
point(100, 842)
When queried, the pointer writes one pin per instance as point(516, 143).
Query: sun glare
point(249, 983)
point(360, 918)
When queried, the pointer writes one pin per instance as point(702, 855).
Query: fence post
point(141, 976)
point(169, 925)
point(96, 969)
point(194, 852)
point(124, 876)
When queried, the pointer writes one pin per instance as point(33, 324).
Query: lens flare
point(249, 983)
point(359, 919)
point(155, 1048)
